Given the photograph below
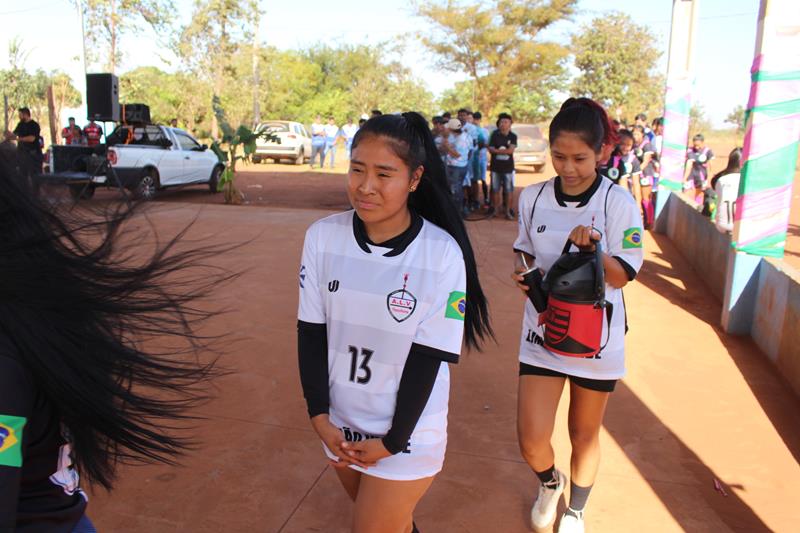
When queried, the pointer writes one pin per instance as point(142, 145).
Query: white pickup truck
point(145, 158)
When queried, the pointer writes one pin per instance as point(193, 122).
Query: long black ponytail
point(413, 143)
point(109, 341)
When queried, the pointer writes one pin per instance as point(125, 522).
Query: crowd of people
point(373, 357)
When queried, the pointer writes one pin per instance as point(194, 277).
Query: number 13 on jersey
point(356, 375)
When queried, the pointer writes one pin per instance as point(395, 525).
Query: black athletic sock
point(577, 499)
point(548, 477)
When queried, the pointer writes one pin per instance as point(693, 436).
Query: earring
point(412, 189)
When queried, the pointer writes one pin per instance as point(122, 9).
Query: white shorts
point(422, 459)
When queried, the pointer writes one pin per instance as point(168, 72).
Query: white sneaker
point(546, 504)
point(571, 524)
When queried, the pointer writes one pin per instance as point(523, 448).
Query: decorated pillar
point(677, 102)
point(772, 132)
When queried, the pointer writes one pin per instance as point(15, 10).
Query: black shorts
point(600, 385)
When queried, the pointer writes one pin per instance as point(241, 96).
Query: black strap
point(609, 314)
point(536, 200)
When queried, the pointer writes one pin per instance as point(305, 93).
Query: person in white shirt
point(581, 205)
point(318, 142)
point(332, 134)
point(349, 130)
point(726, 187)
point(458, 146)
point(387, 292)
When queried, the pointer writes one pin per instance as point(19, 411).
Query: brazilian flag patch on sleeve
point(456, 306)
point(11, 440)
point(632, 238)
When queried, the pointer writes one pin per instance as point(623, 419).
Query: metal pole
point(79, 5)
point(772, 135)
point(677, 103)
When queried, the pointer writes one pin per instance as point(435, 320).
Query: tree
point(498, 45)
point(617, 62)
point(64, 92)
point(108, 20)
point(698, 121)
point(208, 43)
point(25, 89)
point(736, 117)
point(366, 77)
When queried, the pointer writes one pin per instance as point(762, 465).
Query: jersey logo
point(541, 228)
point(11, 440)
point(456, 306)
point(632, 238)
point(401, 303)
point(333, 286)
point(613, 173)
point(302, 276)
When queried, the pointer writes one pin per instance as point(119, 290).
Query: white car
point(295, 142)
point(148, 158)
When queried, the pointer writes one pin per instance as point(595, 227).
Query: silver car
point(295, 142)
point(531, 146)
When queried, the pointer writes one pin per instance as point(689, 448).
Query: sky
point(725, 45)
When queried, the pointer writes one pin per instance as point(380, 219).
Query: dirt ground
point(698, 407)
point(297, 186)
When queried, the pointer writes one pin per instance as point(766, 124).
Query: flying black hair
point(587, 119)
point(80, 313)
point(413, 143)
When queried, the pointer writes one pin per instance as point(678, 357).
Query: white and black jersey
point(546, 218)
point(377, 304)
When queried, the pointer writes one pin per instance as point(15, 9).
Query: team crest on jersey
point(10, 440)
point(302, 276)
point(401, 303)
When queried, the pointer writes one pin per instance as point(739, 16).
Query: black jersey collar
point(397, 245)
point(582, 198)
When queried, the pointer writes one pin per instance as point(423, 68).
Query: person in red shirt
point(93, 132)
point(72, 134)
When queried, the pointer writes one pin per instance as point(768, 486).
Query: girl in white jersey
point(387, 292)
point(580, 205)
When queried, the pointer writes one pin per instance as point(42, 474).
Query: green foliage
point(498, 45)
point(107, 21)
point(617, 60)
point(227, 150)
point(737, 118)
point(217, 31)
point(26, 89)
point(698, 121)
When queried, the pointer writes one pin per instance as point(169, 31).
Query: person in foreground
point(387, 292)
point(76, 386)
point(581, 205)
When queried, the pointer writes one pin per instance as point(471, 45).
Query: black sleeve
point(628, 269)
point(18, 129)
point(512, 137)
point(16, 404)
point(312, 351)
point(416, 385)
